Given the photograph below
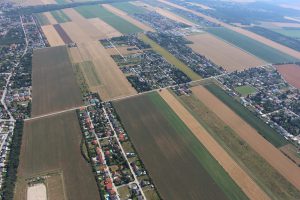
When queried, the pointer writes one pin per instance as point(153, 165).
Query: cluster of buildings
point(271, 98)
point(112, 157)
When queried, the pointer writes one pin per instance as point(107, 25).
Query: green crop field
point(171, 152)
point(115, 21)
point(290, 32)
point(60, 16)
point(252, 46)
point(170, 58)
point(88, 70)
point(61, 1)
point(43, 20)
point(262, 128)
point(129, 8)
point(276, 186)
point(245, 90)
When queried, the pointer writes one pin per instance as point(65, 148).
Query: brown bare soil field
point(50, 17)
point(254, 36)
point(54, 87)
point(52, 36)
point(113, 82)
point(291, 152)
point(84, 24)
point(251, 189)
point(127, 17)
point(273, 156)
point(291, 73)
point(223, 53)
point(53, 144)
point(63, 35)
point(75, 32)
point(107, 30)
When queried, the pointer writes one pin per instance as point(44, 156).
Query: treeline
point(276, 37)
point(10, 178)
point(51, 7)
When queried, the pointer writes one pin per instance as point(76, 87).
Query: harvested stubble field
point(63, 35)
point(171, 153)
point(291, 73)
point(53, 144)
point(252, 46)
point(257, 168)
point(113, 83)
point(53, 83)
point(120, 24)
point(105, 28)
point(222, 53)
point(244, 181)
point(52, 36)
point(266, 150)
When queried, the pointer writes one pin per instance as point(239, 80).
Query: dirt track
point(222, 53)
point(251, 189)
point(259, 38)
point(126, 17)
point(272, 155)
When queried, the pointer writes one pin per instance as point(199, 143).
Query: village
point(266, 93)
point(119, 171)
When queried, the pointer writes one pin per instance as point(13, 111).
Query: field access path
point(245, 182)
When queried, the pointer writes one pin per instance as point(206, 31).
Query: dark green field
point(254, 47)
point(129, 8)
point(115, 21)
point(178, 163)
point(60, 16)
point(273, 183)
point(262, 128)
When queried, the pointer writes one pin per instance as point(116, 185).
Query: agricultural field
point(63, 35)
point(250, 135)
point(291, 73)
point(43, 20)
point(252, 46)
point(170, 58)
point(245, 90)
point(129, 8)
point(174, 151)
point(289, 32)
point(260, 171)
point(110, 18)
point(60, 16)
point(103, 76)
point(52, 36)
point(53, 83)
point(291, 152)
point(51, 147)
point(223, 54)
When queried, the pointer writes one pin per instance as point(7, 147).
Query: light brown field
point(76, 33)
point(50, 17)
point(291, 152)
point(52, 36)
point(89, 29)
point(252, 35)
point(291, 73)
point(113, 82)
point(273, 156)
point(107, 30)
point(126, 17)
point(249, 187)
point(223, 53)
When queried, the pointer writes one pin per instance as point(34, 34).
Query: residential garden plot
point(170, 58)
point(171, 153)
point(54, 86)
point(252, 46)
point(60, 16)
point(245, 90)
point(115, 21)
point(260, 171)
point(53, 144)
point(223, 54)
point(291, 73)
point(266, 150)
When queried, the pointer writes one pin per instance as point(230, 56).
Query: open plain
point(223, 54)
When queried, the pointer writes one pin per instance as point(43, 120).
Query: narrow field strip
point(50, 18)
point(251, 189)
point(52, 36)
point(273, 156)
point(60, 16)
